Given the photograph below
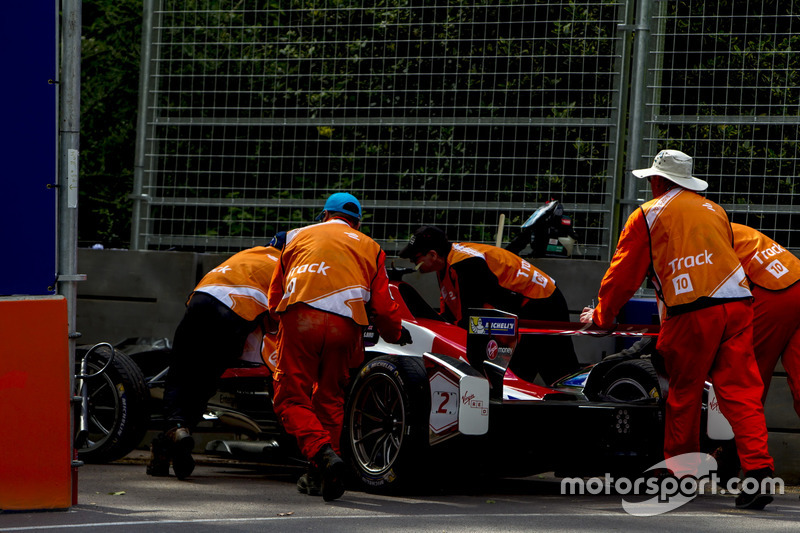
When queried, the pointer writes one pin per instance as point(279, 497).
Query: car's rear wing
point(493, 335)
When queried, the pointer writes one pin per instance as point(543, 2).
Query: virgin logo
point(714, 405)
point(491, 349)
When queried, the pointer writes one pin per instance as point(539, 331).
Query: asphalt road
point(224, 496)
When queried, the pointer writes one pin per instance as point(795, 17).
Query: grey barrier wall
point(142, 294)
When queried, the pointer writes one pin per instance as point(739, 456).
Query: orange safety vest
point(242, 281)
point(331, 267)
point(691, 265)
point(513, 273)
point(766, 263)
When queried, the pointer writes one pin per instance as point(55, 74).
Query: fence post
point(69, 113)
point(617, 171)
point(137, 196)
point(69, 133)
point(641, 50)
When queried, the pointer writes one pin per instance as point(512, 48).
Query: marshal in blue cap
point(341, 202)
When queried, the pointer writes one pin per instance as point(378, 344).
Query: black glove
point(405, 337)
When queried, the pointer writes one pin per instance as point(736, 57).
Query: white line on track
point(355, 518)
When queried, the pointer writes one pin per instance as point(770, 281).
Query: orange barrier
point(35, 411)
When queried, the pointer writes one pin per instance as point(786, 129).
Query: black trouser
point(208, 340)
point(552, 356)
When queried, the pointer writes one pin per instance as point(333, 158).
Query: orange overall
point(684, 242)
point(228, 305)
point(774, 273)
point(328, 277)
point(512, 272)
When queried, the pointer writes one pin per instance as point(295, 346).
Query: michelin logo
point(492, 326)
point(476, 325)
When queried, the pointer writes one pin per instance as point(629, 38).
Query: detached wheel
point(630, 381)
point(386, 423)
point(119, 412)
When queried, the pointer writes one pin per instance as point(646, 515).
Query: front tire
point(119, 412)
point(386, 423)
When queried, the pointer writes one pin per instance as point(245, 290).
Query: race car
point(444, 403)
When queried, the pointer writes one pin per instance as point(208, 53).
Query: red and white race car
point(449, 402)
point(445, 403)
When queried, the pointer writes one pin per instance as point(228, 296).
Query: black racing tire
point(385, 435)
point(119, 410)
point(630, 381)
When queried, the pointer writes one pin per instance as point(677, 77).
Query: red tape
point(544, 327)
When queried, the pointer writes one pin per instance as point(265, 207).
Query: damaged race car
point(445, 401)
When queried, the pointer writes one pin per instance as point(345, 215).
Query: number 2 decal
point(445, 398)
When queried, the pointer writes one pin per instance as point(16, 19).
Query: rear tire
point(119, 412)
point(386, 423)
point(630, 381)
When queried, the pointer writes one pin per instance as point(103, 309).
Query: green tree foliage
point(415, 102)
point(743, 64)
point(109, 96)
point(432, 101)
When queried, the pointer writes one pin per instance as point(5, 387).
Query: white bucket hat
point(676, 167)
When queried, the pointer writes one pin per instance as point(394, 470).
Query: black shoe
point(761, 496)
point(310, 483)
point(158, 465)
point(182, 446)
point(756, 501)
point(333, 471)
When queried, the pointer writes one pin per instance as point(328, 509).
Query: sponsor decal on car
point(471, 401)
point(491, 350)
point(444, 403)
point(492, 326)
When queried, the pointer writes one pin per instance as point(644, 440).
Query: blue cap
point(279, 240)
point(341, 202)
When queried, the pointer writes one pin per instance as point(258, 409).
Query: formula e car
point(446, 402)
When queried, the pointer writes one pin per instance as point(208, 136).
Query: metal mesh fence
point(453, 112)
point(724, 87)
point(446, 112)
